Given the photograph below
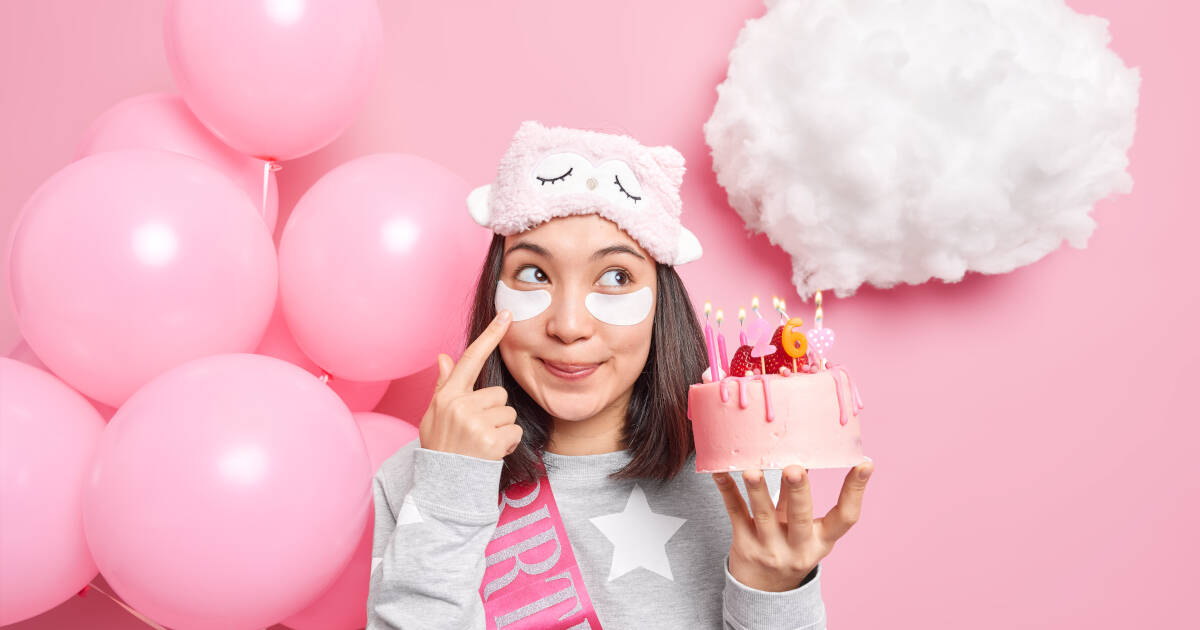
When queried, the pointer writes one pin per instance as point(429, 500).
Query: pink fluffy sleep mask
point(551, 172)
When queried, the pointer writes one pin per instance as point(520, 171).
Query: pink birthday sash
point(531, 580)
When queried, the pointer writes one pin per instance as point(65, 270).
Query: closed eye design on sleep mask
point(522, 304)
point(622, 309)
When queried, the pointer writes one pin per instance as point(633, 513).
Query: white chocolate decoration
point(623, 309)
point(522, 304)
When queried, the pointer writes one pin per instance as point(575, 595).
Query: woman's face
point(583, 296)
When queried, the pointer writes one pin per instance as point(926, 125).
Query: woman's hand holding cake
point(775, 547)
point(466, 421)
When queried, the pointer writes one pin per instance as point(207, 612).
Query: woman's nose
point(569, 318)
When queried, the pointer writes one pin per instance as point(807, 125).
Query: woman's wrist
point(770, 583)
point(808, 578)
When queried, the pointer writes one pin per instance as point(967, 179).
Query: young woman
point(553, 484)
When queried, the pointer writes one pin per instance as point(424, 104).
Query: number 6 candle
point(795, 344)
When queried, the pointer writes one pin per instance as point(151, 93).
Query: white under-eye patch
point(522, 304)
point(622, 309)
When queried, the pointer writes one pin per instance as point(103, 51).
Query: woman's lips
point(569, 371)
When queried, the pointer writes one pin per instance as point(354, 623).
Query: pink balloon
point(343, 606)
point(409, 397)
point(127, 263)
point(227, 493)
point(48, 436)
point(377, 263)
point(23, 353)
point(163, 121)
point(278, 79)
point(26, 355)
point(278, 343)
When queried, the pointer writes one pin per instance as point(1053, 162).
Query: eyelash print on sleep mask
point(622, 309)
point(522, 304)
point(550, 172)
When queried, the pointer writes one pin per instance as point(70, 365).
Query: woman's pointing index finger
point(471, 362)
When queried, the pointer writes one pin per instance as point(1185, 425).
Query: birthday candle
point(760, 335)
point(721, 342)
point(823, 336)
point(741, 329)
point(708, 342)
point(795, 344)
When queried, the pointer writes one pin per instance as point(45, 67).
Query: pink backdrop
point(1030, 472)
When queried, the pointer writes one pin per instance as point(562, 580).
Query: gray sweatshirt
point(652, 555)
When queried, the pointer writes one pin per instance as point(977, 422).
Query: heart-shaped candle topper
point(760, 332)
point(820, 340)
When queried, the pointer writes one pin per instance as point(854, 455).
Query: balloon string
point(266, 180)
point(130, 610)
point(268, 166)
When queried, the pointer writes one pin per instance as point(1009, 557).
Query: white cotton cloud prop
point(897, 141)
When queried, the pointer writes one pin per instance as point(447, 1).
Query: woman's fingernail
point(864, 473)
point(504, 315)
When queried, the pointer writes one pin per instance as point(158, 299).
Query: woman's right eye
point(531, 274)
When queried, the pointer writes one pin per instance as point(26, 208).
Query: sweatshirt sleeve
point(434, 515)
point(746, 608)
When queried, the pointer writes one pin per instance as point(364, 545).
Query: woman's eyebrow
point(537, 249)
point(615, 249)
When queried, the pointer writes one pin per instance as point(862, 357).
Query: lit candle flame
point(720, 316)
point(707, 309)
point(820, 313)
point(741, 316)
point(754, 306)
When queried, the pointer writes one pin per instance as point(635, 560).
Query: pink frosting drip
point(767, 397)
point(837, 385)
point(743, 400)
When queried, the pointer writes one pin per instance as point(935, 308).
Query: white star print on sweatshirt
point(652, 555)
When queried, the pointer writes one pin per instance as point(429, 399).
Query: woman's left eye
point(531, 274)
point(619, 276)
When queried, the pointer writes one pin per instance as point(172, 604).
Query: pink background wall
point(1032, 470)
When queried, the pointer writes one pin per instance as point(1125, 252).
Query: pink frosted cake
point(772, 408)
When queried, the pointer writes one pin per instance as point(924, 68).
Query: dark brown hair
point(657, 431)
